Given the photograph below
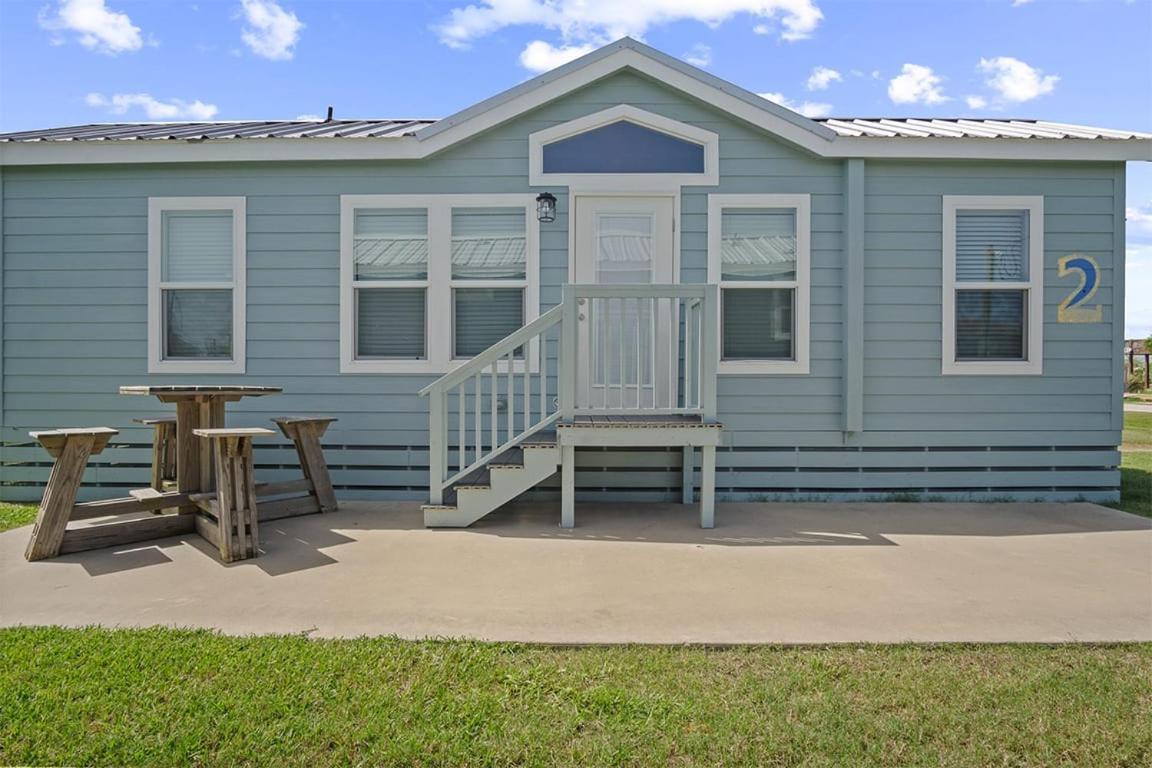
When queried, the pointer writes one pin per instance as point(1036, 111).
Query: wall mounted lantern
point(546, 207)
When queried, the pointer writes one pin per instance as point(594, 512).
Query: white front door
point(626, 352)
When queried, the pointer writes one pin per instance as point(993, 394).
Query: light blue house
point(625, 269)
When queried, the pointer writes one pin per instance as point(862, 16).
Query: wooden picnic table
point(216, 493)
point(198, 406)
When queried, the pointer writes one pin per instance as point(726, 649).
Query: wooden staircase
point(488, 488)
point(509, 418)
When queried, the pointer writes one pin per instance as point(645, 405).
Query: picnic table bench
point(202, 478)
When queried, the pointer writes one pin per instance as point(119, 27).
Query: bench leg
point(187, 448)
point(59, 498)
point(163, 455)
point(307, 440)
point(239, 536)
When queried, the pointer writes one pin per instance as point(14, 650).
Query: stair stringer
point(505, 483)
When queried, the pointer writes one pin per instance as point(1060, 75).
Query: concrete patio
point(768, 573)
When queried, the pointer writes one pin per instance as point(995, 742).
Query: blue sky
point(1087, 61)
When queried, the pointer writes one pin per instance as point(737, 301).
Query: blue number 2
point(1072, 309)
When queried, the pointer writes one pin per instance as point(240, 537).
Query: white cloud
point(822, 77)
point(153, 108)
point(1139, 222)
point(806, 108)
point(1017, 3)
point(762, 29)
point(1137, 288)
point(539, 56)
point(1016, 81)
point(916, 84)
point(976, 102)
point(699, 56)
point(600, 21)
point(96, 26)
point(270, 31)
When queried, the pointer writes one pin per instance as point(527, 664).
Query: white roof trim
point(628, 53)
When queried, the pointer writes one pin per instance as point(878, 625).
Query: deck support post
point(708, 486)
point(687, 470)
point(567, 486)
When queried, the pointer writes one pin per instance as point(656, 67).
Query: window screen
point(390, 323)
point(483, 316)
point(391, 244)
point(990, 324)
point(991, 246)
point(197, 324)
point(758, 248)
point(197, 252)
point(197, 246)
point(757, 323)
point(758, 244)
point(488, 243)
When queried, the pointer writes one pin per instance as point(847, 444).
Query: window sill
point(196, 366)
point(993, 368)
point(762, 367)
point(421, 367)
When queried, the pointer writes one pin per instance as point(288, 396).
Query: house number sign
point(1077, 306)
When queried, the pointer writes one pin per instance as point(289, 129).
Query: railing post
point(437, 445)
point(709, 350)
point(566, 375)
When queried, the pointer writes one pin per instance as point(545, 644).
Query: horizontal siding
point(74, 301)
point(904, 390)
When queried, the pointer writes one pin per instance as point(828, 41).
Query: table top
point(197, 390)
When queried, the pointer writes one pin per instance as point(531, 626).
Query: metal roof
point(237, 129)
point(965, 128)
point(880, 127)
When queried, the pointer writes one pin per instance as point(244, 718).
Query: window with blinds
point(758, 248)
point(991, 248)
point(390, 283)
point(196, 284)
point(993, 311)
point(429, 279)
point(489, 275)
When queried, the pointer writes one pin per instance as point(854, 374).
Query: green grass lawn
point(163, 697)
point(1138, 431)
point(16, 515)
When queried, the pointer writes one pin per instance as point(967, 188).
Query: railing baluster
point(620, 348)
point(479, 419)
point(494, 421)
point(639, 351)
point(527, 387)
point(689, 346)
point(655, 310)
point(511, 396)
point(463, 429)
point(543, 375)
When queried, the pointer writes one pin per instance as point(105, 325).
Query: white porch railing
point(605, 349)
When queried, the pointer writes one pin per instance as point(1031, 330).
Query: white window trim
point(439, 307)
point(157, 206)
point(1034, 364)
point(802, 204)
point(622, 182)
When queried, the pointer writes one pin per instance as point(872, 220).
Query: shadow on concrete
point(302, 543)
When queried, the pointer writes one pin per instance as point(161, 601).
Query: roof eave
point(906, 148)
